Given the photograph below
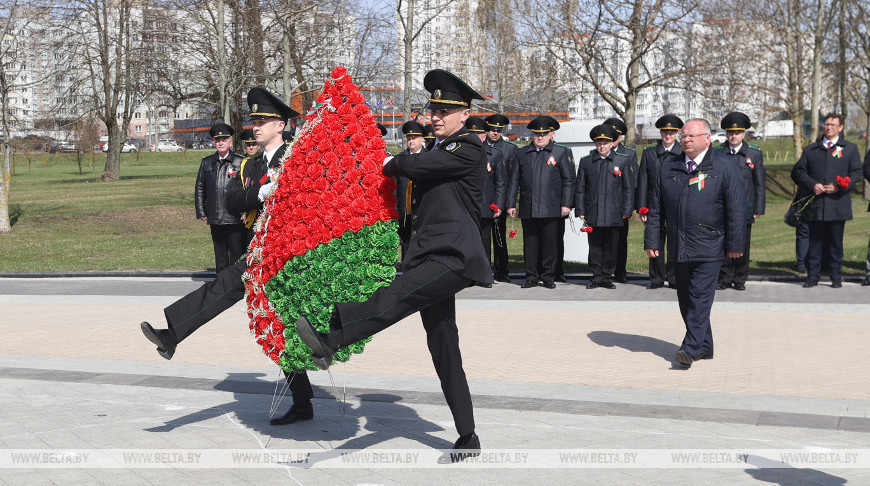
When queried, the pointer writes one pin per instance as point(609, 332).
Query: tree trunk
point(6, 173)
point(818, 41)
point(792, 47)
point(408, 39)
point(222, 62)
point(112, 171)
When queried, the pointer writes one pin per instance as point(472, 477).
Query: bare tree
point(413, 18)
point(856, 82)
point(502, 62)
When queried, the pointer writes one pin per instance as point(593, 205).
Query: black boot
point(321, 352)
point(164, 339)
point(297, 412)
point(466, 446)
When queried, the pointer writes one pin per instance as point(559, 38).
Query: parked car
point(167, 146)
point(718, 137)
point(64, 146)
point(203, 143)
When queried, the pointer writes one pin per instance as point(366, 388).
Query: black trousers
point(540, 237)
point(826, 244)
point(560, 250)
point(736, 270)
point(661, 268)
point(486, 235)
point(229, 244)
point(622, 250)
point(194, 310)
point(500, 252)
point(696, 288)
point(802, 244)
point(429, 289)
point(603, 246)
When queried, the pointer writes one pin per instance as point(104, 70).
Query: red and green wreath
point(327, 232)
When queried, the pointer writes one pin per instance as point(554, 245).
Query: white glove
point(264, 191)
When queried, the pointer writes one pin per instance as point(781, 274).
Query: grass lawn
point(64, 221)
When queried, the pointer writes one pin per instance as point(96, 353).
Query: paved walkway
point(553, 373)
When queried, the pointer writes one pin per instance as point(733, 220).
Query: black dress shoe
point(721, 286)
point(485, 285)
point(621, 279)
point(593, 285)
point(836, 284)
point(810, 283)
point(561, 279)
point(463, 448)
point(800, 269)
point(654, 286)
point(321, 353)
point(502, 278)
point(608, 285)
point(684, 359)
point(866, 281)
point(549, 285)
point(163, 338)
point(529, 284)
point(295, 414)
point(704, 355)
point(738, 286)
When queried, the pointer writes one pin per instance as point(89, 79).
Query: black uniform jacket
point(604, 191)
point(705, 221)
point(750, 161)
point(495, 190)
point(818, 165)
point(243, 191)
point(867, 171)
point(632, 162)
point(211, 187)
point(447, 194)
point(544, 180)
point(650, 166)
point(401, 191)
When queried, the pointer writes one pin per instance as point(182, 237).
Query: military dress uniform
point(215, 174)
point(866, 168)
point(828, 213)
point(705, 209)
point(603, 195)
point(500, 257)
point(544, 181)
point(495, 189)
point(622, 251)
point(403, 202)
point(661, 268)
point(197, 308)
point(445, 255)
point(750, 160)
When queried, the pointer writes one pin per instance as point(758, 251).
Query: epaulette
point(654, 145)
point(753, 146)
point(559, 145)
point(629, 148)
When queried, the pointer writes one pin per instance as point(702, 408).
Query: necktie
point(691, 166)
point(733, 151)
point(828, 144)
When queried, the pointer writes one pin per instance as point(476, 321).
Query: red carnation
point(589, 229)
point(512, 233)
point(494, 207)
point(844, 182)
point(643, 210)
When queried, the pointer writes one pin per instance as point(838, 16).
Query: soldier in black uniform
point(544, 180)
point(604, 198)
point(215, 173)
point(495, 125)
point(245, 195)
point(496, 185)
point(661, 268)
point(428, 135)
point(622, 252)
point(750, 161)
point(816, 173)
point(866, 168)
point(445, 255)
point(252, 151)
point(413, 132)
point(249, 141)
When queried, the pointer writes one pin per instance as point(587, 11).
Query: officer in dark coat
point(661, 268)
point(495, 190)
point(622, 252)
point(445, 255)
point(413, 132)
point(247, 192)
point(701, 196)
point(544, 180)
point(816, 172)
point(603, 198)
point(750, 161)
point(428, 135)
point(495, 125)
point(215, 173)
point(866, 281)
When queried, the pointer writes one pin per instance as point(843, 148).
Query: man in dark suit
point(701, 196)
point(829, 169)
point(215, 173)
point(413, 132)
point(445, 255)
point(544, 179)
point(495, 125)
point(603, 198)
point(495, 188)
point(245, 195)
point(866, 281)
point(622, 251)
point(661, 268)
point(750, 160)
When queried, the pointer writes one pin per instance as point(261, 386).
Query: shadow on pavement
point(636, 344)
point(791, 477)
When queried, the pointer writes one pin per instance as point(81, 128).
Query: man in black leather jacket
point(215, 173)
